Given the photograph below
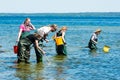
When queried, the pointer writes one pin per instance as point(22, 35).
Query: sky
point(58, 6)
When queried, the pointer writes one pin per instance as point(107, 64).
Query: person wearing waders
point(25, 29)
point(24, 46)
point(46, 30)
point(94, 40)
point(60, 42)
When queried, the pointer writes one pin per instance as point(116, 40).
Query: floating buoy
point(106, 49)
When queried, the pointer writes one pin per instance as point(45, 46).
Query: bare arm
point(37, 46)
point(32, 26)
point(63, 35)
point(54, 36)
point(19, 34)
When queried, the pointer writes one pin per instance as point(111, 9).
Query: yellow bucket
point(106, 48)
point(59, 41)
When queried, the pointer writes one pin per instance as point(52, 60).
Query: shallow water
point(79, 64)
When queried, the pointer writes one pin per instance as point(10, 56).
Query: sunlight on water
point(79, 64)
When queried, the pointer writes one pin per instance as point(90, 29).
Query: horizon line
point(50, 12)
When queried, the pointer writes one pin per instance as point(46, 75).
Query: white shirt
point(45, 29)
point(94, 37)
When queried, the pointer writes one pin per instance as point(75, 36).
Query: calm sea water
point(80, 64)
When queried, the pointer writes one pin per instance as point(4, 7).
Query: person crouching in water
point(24, 46)
point(94, 40)
point(60, 41)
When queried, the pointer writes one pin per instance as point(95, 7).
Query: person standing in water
point(24, 29)
point(24, 46)
point(94, 40)
point(46, 30)
point(60, 42)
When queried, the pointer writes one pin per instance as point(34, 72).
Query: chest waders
point(61, 49)
point(39, 56)
point(24, 34)
point(21, 54)
point(92, 45)
point(24, 50)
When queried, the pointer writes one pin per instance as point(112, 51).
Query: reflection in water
point(29, 72)
point(60, 73)
point(60, 67)
point(93, 52)
point(60, 57)
point(23, 71)
point(38, 74)
point(41, 71)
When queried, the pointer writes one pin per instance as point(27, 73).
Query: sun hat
point(98, 30)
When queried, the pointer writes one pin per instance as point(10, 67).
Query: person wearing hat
point(24, 46)
point(60, 42)
point(46, 30)
point(94, 39)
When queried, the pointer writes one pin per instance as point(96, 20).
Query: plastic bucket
point(15, 48)
point(106, 48)
point(59, 41)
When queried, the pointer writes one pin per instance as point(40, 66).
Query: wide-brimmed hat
point(64, 28)
point(40, 32)
point(54, 26)
point(98, 30)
